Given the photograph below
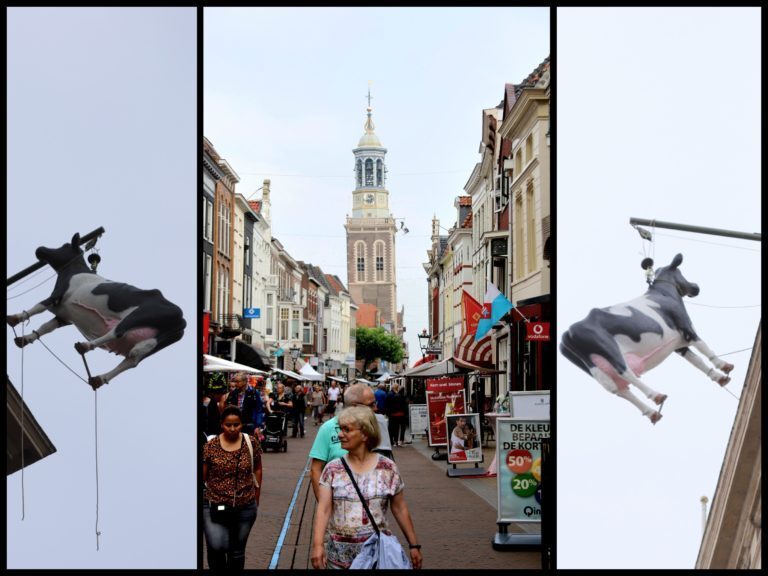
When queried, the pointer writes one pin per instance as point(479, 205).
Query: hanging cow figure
point(617, 345)
point(114, 316)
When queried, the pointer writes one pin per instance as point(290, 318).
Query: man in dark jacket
point(299, 409)
point(247, 399)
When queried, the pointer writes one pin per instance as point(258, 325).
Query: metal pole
point(39, 264)
point(703, 501)
point(699, 229)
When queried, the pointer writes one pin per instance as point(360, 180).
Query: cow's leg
point(136, 355)
point(87, 346)
point(649, 392)
point(44, 328)
point(610, 384)
point(694, 359)
point(14, 319)
point(726, 367)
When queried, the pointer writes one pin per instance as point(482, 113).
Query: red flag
point(472, 312)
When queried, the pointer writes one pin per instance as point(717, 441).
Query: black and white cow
point(123, 319)
point(617, 345)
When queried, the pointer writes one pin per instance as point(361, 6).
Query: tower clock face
point(369, 198)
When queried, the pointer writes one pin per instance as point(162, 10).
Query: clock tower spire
point(371, 229)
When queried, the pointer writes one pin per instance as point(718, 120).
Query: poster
point(463, 433)
point(444, 396)
point(532, 404)
point(418, 420)
point(518, 453)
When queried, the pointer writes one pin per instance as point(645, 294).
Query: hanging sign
point(518, 453)
point(537, 331)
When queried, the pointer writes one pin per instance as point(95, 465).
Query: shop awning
point(311, 374)
point(215, 364)
point(252, 355)
point(339, 380)
point(289, 373)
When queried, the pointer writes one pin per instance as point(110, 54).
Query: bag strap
point(367, 511)
point(250, 451)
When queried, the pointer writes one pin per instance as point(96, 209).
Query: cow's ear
point(76, 240)
point(676, 261)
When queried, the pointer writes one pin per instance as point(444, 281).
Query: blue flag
point(495, 305)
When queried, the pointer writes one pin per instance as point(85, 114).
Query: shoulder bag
point(380, 551)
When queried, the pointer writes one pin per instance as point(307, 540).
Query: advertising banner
point(440, 404)
point(537, 331)
point(418, 420)
point(518, 453)
point(463, 432)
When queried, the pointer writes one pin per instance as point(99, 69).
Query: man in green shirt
point(327, 447)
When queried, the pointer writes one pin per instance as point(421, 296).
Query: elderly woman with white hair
point(340, 511)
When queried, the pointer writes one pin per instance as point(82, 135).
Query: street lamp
point(424, 339)
point(295, 353)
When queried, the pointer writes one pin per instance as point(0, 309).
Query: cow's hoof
point(21, 341)
point(655, 417)
point(727, 368)
point(660, 398)
point(724, 380)
point(96, 382)
point(82, 347)
point(13, 319)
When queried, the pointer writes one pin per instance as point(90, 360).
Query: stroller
point(276, 432)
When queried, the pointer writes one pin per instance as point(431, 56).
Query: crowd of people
point(355, 423)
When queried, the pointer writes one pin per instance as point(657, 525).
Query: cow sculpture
point(616, 345)
point(123, 319)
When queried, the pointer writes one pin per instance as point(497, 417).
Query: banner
point(418, 420)
point(206, 329)
point(463, 433)
point(440, 404)
point(518, 453)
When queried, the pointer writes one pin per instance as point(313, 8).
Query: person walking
point(245, 398)
point(299, 409)
point(340, 514)
point(318, 402)
point(381, 397)
point(396, 409)
point(232, 474)
point(333, 397)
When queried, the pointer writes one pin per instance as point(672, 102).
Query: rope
point(96, 448)
point(30, 289)
point(95, 424)
point(23, 501)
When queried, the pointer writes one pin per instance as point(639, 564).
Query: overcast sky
point(285, 99)
point(658, 116)
point(102, 131)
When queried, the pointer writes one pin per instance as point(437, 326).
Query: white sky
point(658, 116)
point(102, 131)
point(285, 99)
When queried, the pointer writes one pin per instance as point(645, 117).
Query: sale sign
point(518, 452)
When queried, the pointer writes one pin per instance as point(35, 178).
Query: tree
point(372, 343)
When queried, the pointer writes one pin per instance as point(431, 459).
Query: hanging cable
point(96, 449)
point(23, 507)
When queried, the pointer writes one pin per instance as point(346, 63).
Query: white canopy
point(289, 373)
point(215, 364)
point(311, 374)
point(340, 380)
point(384, 377)
point(364, 381)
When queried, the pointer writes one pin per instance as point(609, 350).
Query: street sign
point(251, 312)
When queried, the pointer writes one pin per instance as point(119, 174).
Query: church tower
point(371, 229)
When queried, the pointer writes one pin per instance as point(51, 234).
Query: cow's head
point(670, 274)
point(58, 258)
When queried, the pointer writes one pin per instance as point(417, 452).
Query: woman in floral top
point(231, 494)
point(339, 509)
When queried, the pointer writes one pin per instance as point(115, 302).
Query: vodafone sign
point(537, 331)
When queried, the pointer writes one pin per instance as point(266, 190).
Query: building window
point(531, 227)
point(207, 280)
point(295, 334)
point(359, 173)
point(284, 317)
point(207, 220)
point(369, 172)
point(307, 339)
point(270, 314)
point(519, 237)
point(379, 180)
point(518, 162)
point(379, 252)
point(360, 260)
point(529, 148)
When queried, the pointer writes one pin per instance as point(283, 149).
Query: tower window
point(369, 172)
point(379, 263)
point(360, 264)
point(379, 180)
point(379, 255)
point(359, 173)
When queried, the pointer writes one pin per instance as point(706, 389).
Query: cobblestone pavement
point(455, 518)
